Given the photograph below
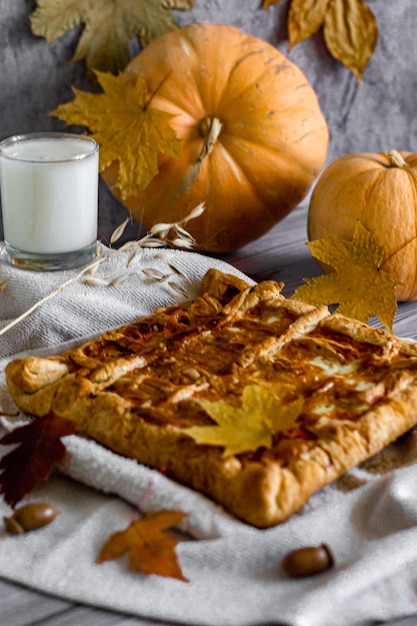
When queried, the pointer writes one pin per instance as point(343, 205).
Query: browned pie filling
point(135, 388)
point(190, 358)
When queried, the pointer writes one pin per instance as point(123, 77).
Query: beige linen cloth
point(368, 517)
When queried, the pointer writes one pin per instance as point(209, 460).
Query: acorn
point(30, 517)
point(307, 561)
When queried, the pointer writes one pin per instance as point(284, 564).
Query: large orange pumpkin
point(379, 189)
point(253, 136)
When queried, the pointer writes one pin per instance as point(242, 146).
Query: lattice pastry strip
point(136, 388)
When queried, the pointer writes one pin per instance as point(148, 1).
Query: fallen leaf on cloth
point(39, 448)
point(358, 286)
point(109, 26)
point(151, 550)
point(249, 426)
point(127, 128)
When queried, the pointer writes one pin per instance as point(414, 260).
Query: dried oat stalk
point(169, 235)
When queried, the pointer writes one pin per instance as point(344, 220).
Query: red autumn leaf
point(151, 550)
point(39, 448)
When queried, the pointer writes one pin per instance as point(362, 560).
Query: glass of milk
point(49, 197)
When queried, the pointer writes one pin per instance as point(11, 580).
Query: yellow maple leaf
point(109, 26)
point(127, 128)
point(350, 28)
point(248, 427)
point(358, 286)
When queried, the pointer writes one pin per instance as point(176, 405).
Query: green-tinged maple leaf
point(109, 26)
point(151, 550)
point(38, 448)
point(358, 285)
point(126, 127)
point(248, 427)
point(349, 27)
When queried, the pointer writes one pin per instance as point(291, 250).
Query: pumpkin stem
point(397, 160)
point(210, 128)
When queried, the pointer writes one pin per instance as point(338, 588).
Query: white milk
point(49, 191)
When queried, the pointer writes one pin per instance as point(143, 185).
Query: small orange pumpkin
point(253, 136)
point(379, 189)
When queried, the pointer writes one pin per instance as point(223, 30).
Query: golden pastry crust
point(135, 389)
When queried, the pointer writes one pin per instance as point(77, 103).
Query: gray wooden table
point(280, 255)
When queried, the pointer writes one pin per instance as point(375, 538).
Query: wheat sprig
point(158, 236)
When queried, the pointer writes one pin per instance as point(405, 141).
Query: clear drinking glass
point(49, 196)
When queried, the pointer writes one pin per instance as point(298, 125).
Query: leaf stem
point(155, 91)
point(404, 245)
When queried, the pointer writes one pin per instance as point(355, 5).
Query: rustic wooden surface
point(282, 255)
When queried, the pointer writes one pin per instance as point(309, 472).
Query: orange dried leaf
point(305, 18)
point(128, 129)
point(351, 33)
point(349, 27)
point(39, 448)
point(249, 426)
point(151, 550)
point(268, 3)
point(109, 26)
point(358, 286)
